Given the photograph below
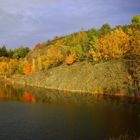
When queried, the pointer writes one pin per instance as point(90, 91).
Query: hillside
point(110, 77)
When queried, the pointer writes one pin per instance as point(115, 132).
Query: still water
point(38, 114)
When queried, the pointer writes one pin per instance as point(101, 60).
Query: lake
point(28, 113)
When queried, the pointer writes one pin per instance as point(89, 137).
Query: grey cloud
point(31, 21)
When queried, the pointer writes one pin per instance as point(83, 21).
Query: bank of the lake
point(113, 77)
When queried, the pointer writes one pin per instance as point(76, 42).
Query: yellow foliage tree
point(3, 67)
point(110, 46)
point(134, 42)
point(33, 65)
point(54, 56)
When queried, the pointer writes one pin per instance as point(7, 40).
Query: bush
point(69, 59)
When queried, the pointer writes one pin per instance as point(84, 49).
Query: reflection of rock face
point(27, 97)
point(8, 91)
point(42, 95)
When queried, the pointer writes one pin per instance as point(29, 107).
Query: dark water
point(39, 114)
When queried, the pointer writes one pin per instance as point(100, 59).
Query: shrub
point(69, 59)
point(27, 68)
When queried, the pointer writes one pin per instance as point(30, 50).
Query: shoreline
point(111, 78)
point(66, 91)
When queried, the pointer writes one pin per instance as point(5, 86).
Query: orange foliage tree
point(37, 46)
point(69, 59)
point(10, 66)
point(27, 68)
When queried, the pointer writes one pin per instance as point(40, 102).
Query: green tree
point(3, 51)
point(10, 53)
point(135, 19)
point(105, 29)
point(79, 45)
point(20, 52)
point(92, 35)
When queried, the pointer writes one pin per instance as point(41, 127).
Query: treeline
point(17, 53)
point(94, 45)
point(12, 61)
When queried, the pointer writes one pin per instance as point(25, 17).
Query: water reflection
point(42, 95)
point(27, 97)
point(85, 116)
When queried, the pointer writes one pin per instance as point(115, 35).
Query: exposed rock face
point(109, 77)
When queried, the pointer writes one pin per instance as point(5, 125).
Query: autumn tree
point(27, 68)
point(79, 45)
point(38, 46)
point(110, 46)
point(69, 59)
point(3, 68)
point(134, 42)
point(54, 56)
point(33, 65)
point(68, 40)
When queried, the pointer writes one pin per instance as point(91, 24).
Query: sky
point(27, 22)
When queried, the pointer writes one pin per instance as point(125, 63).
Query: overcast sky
point(26, 22)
